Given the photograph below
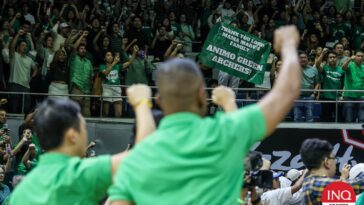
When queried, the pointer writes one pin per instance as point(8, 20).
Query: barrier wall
point(282, 148)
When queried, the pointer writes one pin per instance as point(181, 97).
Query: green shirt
point(310, 78)
point(22, 169)
point(81, 73)
point(339, 31)
point(190, 160)
point(60, 179)
point(354, 80)
point(113, 77)
point(138, 72)
point(331, 81)
point(360, 200)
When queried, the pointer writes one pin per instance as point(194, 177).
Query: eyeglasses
point(334, 158)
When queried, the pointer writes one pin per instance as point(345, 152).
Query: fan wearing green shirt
point(61, 176)
point(354, 80)
point(191, 159)
point(111, 90)
point(332, 75)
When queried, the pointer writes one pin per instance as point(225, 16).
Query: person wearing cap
point(317, 156)
point(182, 161)
point(280, 195)
point(61, 35)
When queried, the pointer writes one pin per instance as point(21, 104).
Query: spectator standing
point(81, 78)
point(303, 111)
point(59, 72)
point(20, 73)
point(354, 80)
point(140, 68)
point(332, 76)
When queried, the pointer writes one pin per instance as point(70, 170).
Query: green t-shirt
point(360, 200)
point(354, 80)
point(22, 169)
point(339, 31)
point(310, 78)
point(190, 160)
point(60, 179)
point(331, 81)
point(81, 73)
point(138, 71)
point(113, 77)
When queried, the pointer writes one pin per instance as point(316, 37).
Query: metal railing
point(245, 96)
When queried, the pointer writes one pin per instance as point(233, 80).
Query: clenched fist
point(286, 35)
point(137, 93)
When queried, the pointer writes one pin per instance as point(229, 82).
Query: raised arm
point(225, 98)
point(139, 98)
point(14, 42)
point(96, 39)
point(130, 61)
point(319, 60)
point(287, 86)
point(346, 63)
point(78, 42)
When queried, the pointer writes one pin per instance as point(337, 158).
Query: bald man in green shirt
point(61, 176)
point(195, 160)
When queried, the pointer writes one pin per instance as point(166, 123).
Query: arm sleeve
point(120, 189)
point(94, 175)
point(245, 127)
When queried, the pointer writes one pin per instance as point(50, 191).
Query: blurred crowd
point(82, 48)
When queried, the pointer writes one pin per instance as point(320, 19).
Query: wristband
point(144, 101)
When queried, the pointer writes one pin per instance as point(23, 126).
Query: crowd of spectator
point(79, 47)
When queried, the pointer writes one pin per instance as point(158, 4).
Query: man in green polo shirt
point(195, 160)
point(81, 79)
point(61, 176)
point(332, 75)
point(354, 80)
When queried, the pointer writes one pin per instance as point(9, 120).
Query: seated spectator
point(317, 156)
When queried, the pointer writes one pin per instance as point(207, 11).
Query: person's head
point(81, 50)
point(339, 18)
point(49, 41)
point(11, 12)
point(3, 116)
point(347, 53)
point(276, 183)
point(162, 30)
point(166, 22)
point(245, 19)
point(25, 8)
point(60, 56)
point(64, 29)
point(115, 28)
point(60, 127)
point(25, 26)
point(105, 42)
point(294, 20)
point(332, 10)
point(324, 20)
point(172, 16)
point(356, 170)
point(339, 49)
point(227, 5)
point(348, 15)
point(331, 58)
point(137, 22)
point(250, 5)
point(313, 38)
point(359, 57)
point(265, 19)
point(95, 23)
point(171, 98)
point(303, 58)
point(71, 15)
point(234, 24)
point(318, 50)
point(317, 154)
point(182, 18)
point(22, 47)
point(109, 57)
point(28, 133)
point(272, 24)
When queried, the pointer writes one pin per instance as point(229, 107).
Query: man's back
point(59, 179)
point(190, 160)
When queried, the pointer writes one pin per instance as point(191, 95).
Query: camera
point(253, 175)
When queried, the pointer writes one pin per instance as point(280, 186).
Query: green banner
point(236, 52)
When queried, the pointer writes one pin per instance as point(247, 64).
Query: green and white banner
point(236, 52)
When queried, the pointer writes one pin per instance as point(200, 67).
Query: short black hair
point(338, 44)
point(331, 52)
point(53, 118)
point(302, 52)
point(313, 151)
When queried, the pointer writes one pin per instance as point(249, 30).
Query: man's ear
point(70, 136)
point(325, 163)
point(201, 97)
